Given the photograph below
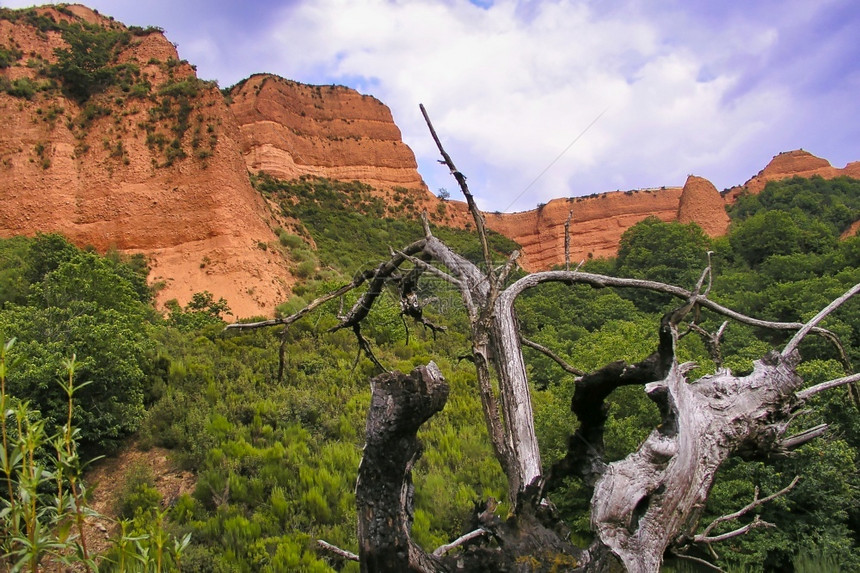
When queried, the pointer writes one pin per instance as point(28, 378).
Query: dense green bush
point(77, 302)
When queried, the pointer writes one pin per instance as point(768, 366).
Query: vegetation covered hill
point(276, 460)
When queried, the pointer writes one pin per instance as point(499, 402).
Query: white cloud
point(510, 86)
point(709, 88)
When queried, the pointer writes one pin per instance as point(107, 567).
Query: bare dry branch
point(801, 438)
point(755, 523)
point(429, 268)
point(286, 321)
point(601, 281)
point(792, 344)
point(470, 201)
point(812, 390)
point(510, 264)
point(425, 224)
point(705, 537)
point(552, 355)
point(377, 280)
point(443, 549)
point(348, 555)
point(365, 347)
point(713, 341)
point(698, 560)
point(567, 240)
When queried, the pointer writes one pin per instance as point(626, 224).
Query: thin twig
point(294, 317)
point(439, 273)
point(550, 354)
point(712, 341)
point(567, 240)
point(755, 523)
point(364, 345)
point(795, 341)
point(704, 536)
point(699, 561)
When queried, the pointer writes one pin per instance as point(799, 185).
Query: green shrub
point(23, 88)
point(138, 494)
point(305, 269)
point(290, 241)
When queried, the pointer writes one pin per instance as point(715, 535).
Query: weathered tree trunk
point(384, 490)
point(515, 397)
point(654, 497)
point(533, 540)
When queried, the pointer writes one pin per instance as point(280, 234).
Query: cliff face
point(290, 129)
point(793, 163)
point(157, 162)
point(119, 171)
point(595, 227)
point(597, 222)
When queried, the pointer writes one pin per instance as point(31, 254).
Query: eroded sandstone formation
point(291, 129)
point(702, 204)
point(793, 163)
point(596, 226)
point(91, 172)
point(124, 170)
point(597, 222)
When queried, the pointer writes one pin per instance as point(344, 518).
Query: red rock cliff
point(793, 163)
point(598, 222)
point(291, 129)
point(97, 173)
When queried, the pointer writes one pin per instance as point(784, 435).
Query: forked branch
point(706, 537)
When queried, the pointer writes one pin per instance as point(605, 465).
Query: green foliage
point(201, 311)
point(778, 233)
point(83, 67)
point(833, 202)
point(33, 524)
point(43, 502)
point(666, 252)
point(21, 87)
point(78, 302)
point(138, 494)
point(351, 226)
point(9, 56)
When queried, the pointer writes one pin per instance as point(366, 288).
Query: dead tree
point(642, 506)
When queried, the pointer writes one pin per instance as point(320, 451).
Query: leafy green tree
point(660, 251)
point(82, 306)
point(770, 233)
point(201, 311)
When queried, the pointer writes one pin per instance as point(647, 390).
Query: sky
point(540, 99)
